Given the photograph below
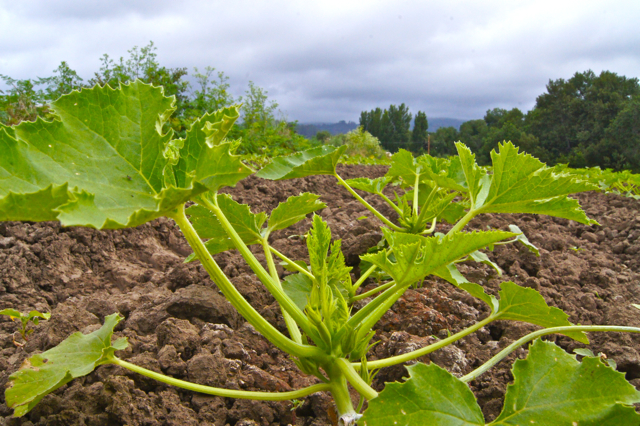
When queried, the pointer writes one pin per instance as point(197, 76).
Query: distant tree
point(419, 133)
point(571, 118)
point(472, 132)
point(443, 141)
point(503, 125)
point(21, 102)
point(211, 94)
point(323, 136)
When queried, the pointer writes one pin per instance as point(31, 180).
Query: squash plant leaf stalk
point(105, 163)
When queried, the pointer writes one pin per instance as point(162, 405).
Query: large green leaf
point(76, 356)
point(551, 388)
point(374, 186)
point(316, 161)
point(293, 210)
point(105, 163)
point(415, 257)
point(404, 166)
point(430, 397)
point(298, 288)
point(527, 305)
point(520, 183)
point(445, 172)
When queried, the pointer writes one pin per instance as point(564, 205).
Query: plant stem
point(293, 264)
point(363, 277)
point(372, 292)
point(227, 393)
point(387, 362)
point(354, 378)
point(531, 336)
point(391, 203)
point(233, 295)
point(367, 205)
point(415, 192)
point(281, 297)
point(340, 392)
point(462, 222)
point(294, 331)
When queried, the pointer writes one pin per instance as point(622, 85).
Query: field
point(178, 323)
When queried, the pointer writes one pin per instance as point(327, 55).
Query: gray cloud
point(329, 60)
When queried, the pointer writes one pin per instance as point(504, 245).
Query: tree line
point(588, 120)
point(260, 130)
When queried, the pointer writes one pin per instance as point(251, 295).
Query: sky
point(326, 61)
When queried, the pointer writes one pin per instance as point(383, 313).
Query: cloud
point(330, 60)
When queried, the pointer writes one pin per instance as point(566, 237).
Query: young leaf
point(203, 157)
point(76, 356)
point(374, 186)
point(298, 288)
point(451, 274)
point(551, 388)
point(293, 211)
point(445, 172)
point(527, 305)
point(417, 256)
point(524, 240)
point(404, 166)
point(431, 396)
point(316, 161)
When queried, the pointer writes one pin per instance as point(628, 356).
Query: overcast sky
point(326, 61)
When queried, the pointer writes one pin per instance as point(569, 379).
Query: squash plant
point(104, 162)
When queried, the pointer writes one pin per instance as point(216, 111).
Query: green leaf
point(430, 397)
point(76, 356)
point(445, 172)
point(316, 161)
point(298, 288)
point(527, 305)
point(248, 225)
point(551, 388)
point(293, 211)
point(415, 256)
point(478, 256)
point(521, 183)
point(475, 176)
point(524, 240)
point(403, 166)
point(451, 274)
point(374, 186)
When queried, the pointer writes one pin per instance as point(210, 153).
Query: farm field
point(178, 323)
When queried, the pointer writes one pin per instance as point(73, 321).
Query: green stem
point(515, 345)
point(463, 222)
point(362, 278)
point(394, 360)
point(341, 396)
point(416, 186)
point(391, 203)
point(227, 393)
point(372, 292)
point(293, 264)
point(378, 312)
point(432, 228)
point(368, 206)
point(281, 297)
point(354, 378)
point(233, 295)
point(363, 313)
point(294, 331)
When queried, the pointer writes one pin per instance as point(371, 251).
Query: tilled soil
point(178, 323)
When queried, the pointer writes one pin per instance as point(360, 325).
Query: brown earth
point(178, 323)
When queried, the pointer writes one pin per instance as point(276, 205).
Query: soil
point(178, 323)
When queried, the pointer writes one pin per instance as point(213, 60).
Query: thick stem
point(340, 392)
point(463, 222)
point(234, 296)
point(394, 360)
point(368, 206)
point(416, 192)
point(227, 393)
point(529, 337)
point(354, 378)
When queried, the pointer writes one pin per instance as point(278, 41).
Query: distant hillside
point(309, 130)
point(436, 122)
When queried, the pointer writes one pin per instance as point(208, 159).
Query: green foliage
point(109, 161)
point(33, 316)
point(76, 356)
